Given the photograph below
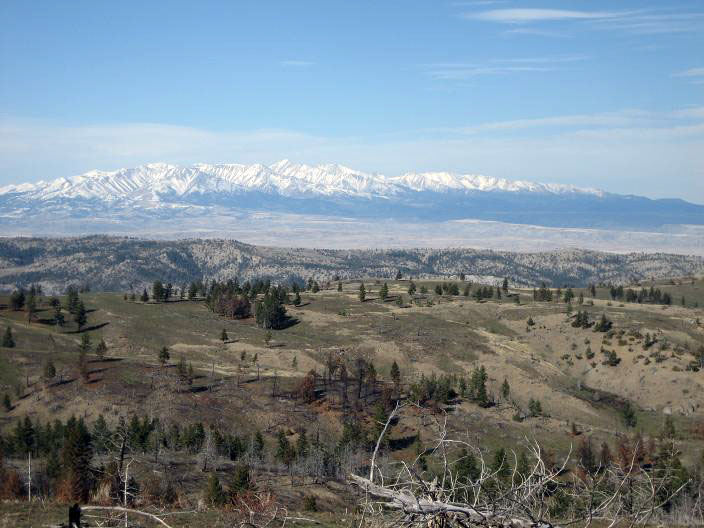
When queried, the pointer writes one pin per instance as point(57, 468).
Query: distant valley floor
point(311, 231)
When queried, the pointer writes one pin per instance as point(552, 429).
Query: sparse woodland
point(383, 402)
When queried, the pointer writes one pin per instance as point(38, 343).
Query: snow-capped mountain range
point(164, 191)
point(157, 181)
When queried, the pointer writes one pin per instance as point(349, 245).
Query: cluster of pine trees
point(445, 388)
point(651, 296)
point(486, 292)
point(235, 301)
point(69, 449)
point(581, 320)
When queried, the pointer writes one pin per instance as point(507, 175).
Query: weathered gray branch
point(415, 505)
point(126, 510)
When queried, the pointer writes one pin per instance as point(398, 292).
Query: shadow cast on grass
point(88, 329)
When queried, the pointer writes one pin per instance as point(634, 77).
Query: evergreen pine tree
point(412, 288)
point(76, 455)
point(7, 340)
point(31, 307)
point(101, 349)
point(297, 299)
point(395, 374)
point(48, 370)
point(164, 355)
point(17, 300)
point(482, 396)
point(59, 319)
point(6, 403)
point(73, 299)
point(629, 415)
point(339, 286)
point(145, 296)
point(80, 317)
point(241, 480)
point(214, 494)
point(257, 447)
point(362, 293)
point(84, 346)
point(284, 452)
point(223, 336)
point(302, 445)
point(384, 292)
point(504, 286)
point(505, 389)
point(535, 408)
point(158, 291)
point(192, 291)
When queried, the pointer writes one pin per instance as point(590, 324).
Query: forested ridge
point(118, 263)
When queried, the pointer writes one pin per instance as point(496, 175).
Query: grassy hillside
point(425, 335)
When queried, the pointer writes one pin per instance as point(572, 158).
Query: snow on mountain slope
point(155, 182)
point(442, 181)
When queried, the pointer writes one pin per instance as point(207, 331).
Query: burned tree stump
point(74, 516)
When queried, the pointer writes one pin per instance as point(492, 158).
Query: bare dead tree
point(535, 493)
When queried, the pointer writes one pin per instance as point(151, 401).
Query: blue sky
point(600, 94)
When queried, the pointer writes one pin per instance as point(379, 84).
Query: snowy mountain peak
point(159, 182)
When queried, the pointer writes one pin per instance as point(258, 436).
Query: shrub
point(309, 503)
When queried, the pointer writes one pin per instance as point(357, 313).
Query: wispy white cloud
point(297, 63)
point(690, 112)
point(552, 59)
point(527, 15)
point(675, 122)
point(535, 32)
point(691, 72)
point(693, 75)
point(646, 23)
point(458, 71)
point(641, 21)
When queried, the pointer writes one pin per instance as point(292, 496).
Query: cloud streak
point(457, 71)
point(297, 63)
point(642, 21)
point(521, 16)
point(693, 75)
point(691, 72)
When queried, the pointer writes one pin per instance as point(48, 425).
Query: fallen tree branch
point(126, 510)
point(411, 504)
